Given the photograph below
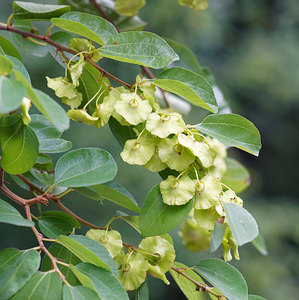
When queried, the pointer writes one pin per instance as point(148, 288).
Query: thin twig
point(62, 48)
point(200, 285)
point(39, 238)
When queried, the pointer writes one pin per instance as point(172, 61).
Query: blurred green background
point(252, 47)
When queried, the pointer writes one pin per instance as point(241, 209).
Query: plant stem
point(200, 285)
point(61, 48)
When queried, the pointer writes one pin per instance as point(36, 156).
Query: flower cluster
point(190, 163)
point(154, 255)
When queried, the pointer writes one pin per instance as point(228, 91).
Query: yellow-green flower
point(195, 237)
point(24, 108)
point(76, 70)
point(132, 108)
point(138, 151)
point(199, 149)
point(207, 192)
point(174, 154)
point(110, 239)
point(128, 7)
point(195, 4)
point(162, 125)
point(228, 197)
point(155, 164)
point(177, 191)
point(81, 115)
point(206, 218)
point(133, 271)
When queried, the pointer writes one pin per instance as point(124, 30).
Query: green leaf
point(79, 293)
point(255, 297)
point(187, 59)
point(186, 286)
point(16, 268)
point(241, 223)
point(89, 26)
point(64, 255)
point(48, 136)
point(9, 215)
point(52, 111)
point(125, 23)
point(92, 82)
point(11, 94)
point(131, 220)
point(19, 145)
point(55, 223)
point(46, 105)
point(54, 145)
point(117, 194)
point(18, 66)
point(236, 176)
point(121, 133)
point(260, 245)
point(157, 218)
point(25, 44)
point(89, 251)
point(41, 286)
point(43, 177)
point(6, 66)
point(227, 279)
point(35, 11)
point(139, 47)
point(9, 48)
point(233, 131)
point(217, 236)
point(193, 87)
point(142, 293)
point(101, 281)
point(85, 167)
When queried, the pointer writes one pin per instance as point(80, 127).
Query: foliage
point(199, 182)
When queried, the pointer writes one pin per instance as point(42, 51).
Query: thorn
point(24, 38)
point(100, 76)
point(57, 51)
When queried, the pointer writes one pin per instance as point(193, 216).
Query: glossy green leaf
point(52, 111)
point(22, 184)
point(89, 26)
point(133, 23)
point(92, 82)
point(236, 176)
point(41, 286)
point(217, 236)
point(9, 48)
point(189, 85)
point(64, 255)
point(260, 245)
point(233, 131)
point(121, 133)
point(139, 47)
point(89, 251)
point(79, 293)
point(101, 281)
point(43, 162)
point(157, 218)
point(18, 66)
point(85, 167)
point(16, 268)
point(117, 194)
point(241, 223)
point(48, 136)
point(132, 221)
point(227, 279)
point(11, 94)
point(186, 286)
point(54, 145)
point(35, 11)
point(255, 297)
point(43, 177)
point(55, 223)
point(25, 44)
point(6, 66)
point(187, 59)
point(9, 215)
point(19, 145)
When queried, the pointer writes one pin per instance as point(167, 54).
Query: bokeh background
point(252, 48)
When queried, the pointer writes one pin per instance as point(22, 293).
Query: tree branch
point(199, 285)
point(62, 48)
